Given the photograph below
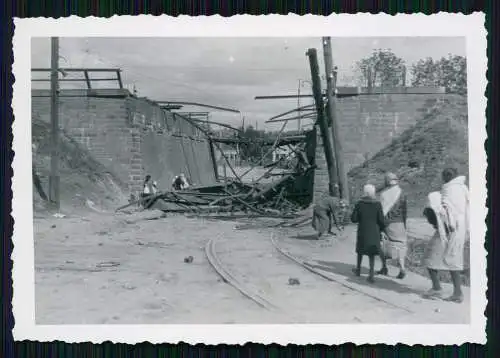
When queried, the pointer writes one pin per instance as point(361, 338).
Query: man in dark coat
point(369, 216)
point(325, 215)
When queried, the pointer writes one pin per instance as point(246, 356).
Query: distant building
point(232, 155)
point(282, 153)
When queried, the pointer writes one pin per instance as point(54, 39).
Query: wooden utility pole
point(298, 106)
point(331, 83)
point(325, 133)
point(214, 159)
point(54, 179)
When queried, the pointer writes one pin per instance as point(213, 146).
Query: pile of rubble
point(275, 199)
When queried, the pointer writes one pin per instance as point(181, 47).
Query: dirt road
point(104, 268)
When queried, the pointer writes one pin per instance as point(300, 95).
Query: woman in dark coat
point(369, 216)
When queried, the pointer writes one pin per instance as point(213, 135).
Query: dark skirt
point(369, 250)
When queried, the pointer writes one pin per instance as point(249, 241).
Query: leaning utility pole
point(54, 178)
point(325, 133)
point(331, 83)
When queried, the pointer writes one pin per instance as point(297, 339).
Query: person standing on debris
point(148, 189)
point(369, 216)
point(394, 207)
point(448, 212)
point(180, 182)
point(155, 187)
point(148, 186)
point(324, 213)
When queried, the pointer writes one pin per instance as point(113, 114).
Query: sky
point(230, 72)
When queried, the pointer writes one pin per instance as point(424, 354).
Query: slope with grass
point(439, 139)
point(85, 183)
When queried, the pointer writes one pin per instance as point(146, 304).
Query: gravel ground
point(104, 268)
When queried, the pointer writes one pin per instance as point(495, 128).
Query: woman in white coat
point(448, 212)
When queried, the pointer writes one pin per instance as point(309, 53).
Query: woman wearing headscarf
point(394, 207)
point(448, 212)
point(369, 216)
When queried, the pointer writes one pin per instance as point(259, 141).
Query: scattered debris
point(107, 264)
point(128, 286)
point(155, 244)
point(293, 281)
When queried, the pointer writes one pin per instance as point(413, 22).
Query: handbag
point(386, 247)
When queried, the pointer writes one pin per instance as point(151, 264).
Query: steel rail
point(231, 280)
point(311, 269)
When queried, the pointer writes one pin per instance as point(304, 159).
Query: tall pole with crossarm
point(323, 125)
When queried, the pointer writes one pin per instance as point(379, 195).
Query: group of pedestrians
point(382, 224)
point(382, 229)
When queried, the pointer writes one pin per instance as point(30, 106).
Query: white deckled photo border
point(344, 25)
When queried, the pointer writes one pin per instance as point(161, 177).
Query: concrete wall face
point(97, 124)
point(168, 145)
point(133, 137)
point(367, 124)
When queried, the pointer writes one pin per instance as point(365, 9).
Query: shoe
point(455, 298)
point(371, 279)
point(433, 294)
point(384, 271)
point(356, 271)
point(401, 275)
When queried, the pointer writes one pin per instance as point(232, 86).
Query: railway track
point(264, 302)
point(211, 253)
point(328, 277)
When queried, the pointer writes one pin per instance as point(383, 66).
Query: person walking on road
point(394, 207)
point(369, 216)
point(448, 212)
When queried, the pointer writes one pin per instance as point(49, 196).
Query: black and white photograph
point(247, 181)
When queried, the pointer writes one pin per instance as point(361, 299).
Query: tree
point(382, 69)
point(449, 72)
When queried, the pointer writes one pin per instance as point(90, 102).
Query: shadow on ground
point(305, 237)
point(381, 282)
